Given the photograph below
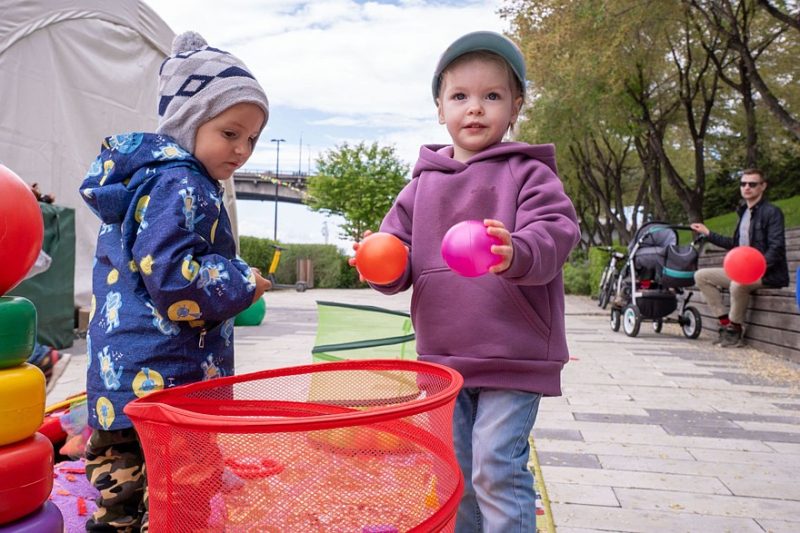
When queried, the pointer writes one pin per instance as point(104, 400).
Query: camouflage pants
point(115, 467)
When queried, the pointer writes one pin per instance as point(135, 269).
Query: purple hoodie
point(501, 331)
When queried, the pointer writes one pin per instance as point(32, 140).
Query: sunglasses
point(751, 184)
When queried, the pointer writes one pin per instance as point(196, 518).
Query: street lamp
point(277, 177)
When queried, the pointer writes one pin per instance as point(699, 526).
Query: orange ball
point(381, 258)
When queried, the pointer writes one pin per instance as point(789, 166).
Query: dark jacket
point(767, 235)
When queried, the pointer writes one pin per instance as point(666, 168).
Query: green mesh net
point(348, 332)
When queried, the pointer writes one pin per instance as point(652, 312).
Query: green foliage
point(349, 276)
point(326, 258)
point(360, 183)
point(639, 115)
point(782, 166)
point(575, 280)
point(256, 252)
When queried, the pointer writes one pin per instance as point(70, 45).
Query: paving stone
point(785, 448)
point(545, 417)
point(671, 415)
point(769, 425)
point(654, 481)
point(788, 406)
point(626, 408)
point(626, 452)
point(743, 378)
point(658, 417)
point(787, 486)
point(555, 434)
point(634, 437)
point(736, 457)
point(748, 473)
point(578, 460)
point(563, 529)
point(710, 504)
point(625, 520)
point(570, 493)
point(654, 431)
point(731, 433)
point(776, 526)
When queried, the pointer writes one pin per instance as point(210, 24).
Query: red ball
point(381, 258)
point(21, 229)
point(744, 264)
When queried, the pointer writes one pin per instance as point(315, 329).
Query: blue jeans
point(490, 433)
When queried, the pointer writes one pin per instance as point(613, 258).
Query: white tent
point(71, 73)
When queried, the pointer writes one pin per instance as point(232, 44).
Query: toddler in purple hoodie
point(504, 331)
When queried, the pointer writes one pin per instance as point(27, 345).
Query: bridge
point(255, 185)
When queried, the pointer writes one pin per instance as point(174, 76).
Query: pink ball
point(467, 249)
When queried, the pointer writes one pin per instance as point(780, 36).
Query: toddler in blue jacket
point(167, 283)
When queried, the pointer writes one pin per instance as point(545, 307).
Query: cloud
point(337, 56)
point(336, 71)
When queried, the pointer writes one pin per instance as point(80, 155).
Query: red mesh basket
point(351, 446)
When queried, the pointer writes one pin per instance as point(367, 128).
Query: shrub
point(327, 261)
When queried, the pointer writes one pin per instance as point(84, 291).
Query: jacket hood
point(125, 163)
point(439, 157)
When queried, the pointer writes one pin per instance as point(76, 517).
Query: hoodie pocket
point(480, 317)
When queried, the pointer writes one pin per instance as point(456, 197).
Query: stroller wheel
point(657, 325)
point(631, 320)
point(616, 319)
point(691, 323)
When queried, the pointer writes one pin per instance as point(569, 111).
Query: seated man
point(760, 226)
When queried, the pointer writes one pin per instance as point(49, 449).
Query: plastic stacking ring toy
point(17, 330)
point(22, 399)
point(381, 258)
point(46, 519)
point(467, 249)
point(744, 264)
point(26, 477)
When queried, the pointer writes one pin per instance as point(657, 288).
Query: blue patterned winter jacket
point(166, 284)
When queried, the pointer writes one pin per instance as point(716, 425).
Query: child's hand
point(352, 260)
point(505, 250)
point(262, 285)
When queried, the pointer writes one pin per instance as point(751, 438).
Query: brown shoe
point(720, 336)
point(732, 337)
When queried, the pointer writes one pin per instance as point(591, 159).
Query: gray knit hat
point(197, 83)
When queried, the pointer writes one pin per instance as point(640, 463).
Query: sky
point(335, 72)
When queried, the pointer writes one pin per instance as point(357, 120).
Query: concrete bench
point(773, 322)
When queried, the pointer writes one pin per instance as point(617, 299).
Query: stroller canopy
point(657, 234)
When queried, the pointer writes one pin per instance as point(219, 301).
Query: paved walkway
point(656, 433)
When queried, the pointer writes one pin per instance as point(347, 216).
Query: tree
point(735, 20)
point(360, 183)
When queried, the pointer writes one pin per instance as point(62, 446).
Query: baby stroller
point(653, 278)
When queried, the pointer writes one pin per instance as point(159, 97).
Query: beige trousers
point(710, 281)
